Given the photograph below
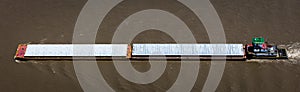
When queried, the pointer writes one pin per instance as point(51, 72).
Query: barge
point(258, 49)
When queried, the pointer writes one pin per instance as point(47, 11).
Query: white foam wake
point(293, 50)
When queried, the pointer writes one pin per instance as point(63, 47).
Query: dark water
point(52, 21)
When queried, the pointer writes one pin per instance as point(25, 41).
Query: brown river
point(53, 21)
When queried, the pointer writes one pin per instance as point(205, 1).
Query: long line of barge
point(257, 49)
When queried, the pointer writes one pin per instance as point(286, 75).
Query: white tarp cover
point(188, 49)
point(76, 50)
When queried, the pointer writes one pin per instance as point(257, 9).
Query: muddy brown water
point(52, 21)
